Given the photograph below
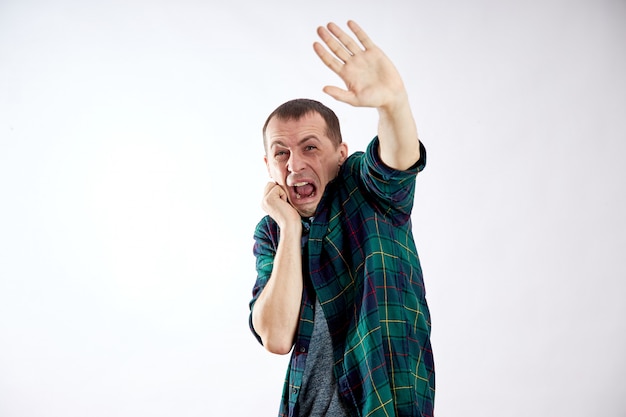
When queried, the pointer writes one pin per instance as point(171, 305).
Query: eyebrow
point(278, 142)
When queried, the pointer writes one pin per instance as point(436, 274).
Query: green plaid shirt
point(364, 268)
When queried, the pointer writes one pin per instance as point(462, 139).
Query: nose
point(295, 162)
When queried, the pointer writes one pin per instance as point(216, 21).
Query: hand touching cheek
point(276, 205)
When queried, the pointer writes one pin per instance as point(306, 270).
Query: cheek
point(330, 170)
point(277, 174)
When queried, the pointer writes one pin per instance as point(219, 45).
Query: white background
point(131, 173)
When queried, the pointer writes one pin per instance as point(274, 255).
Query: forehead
point(281, 130)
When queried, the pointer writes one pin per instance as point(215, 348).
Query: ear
point(343, 152)
point(267, 165)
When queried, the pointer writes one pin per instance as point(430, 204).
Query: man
point(339, 279)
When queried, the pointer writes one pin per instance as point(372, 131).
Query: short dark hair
point(300, 107)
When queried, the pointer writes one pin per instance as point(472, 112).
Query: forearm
point(397, 134)
point(276, 312)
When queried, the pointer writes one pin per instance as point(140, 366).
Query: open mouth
point(303, 190)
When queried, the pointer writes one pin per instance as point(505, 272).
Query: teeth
point(300, 184)
point(298, 196)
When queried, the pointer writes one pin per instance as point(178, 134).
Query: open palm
point(370, 77)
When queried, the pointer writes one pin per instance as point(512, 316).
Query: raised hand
point(370, 77)
point(372, 81)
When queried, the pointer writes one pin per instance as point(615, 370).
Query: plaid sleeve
point(264, 249)
point(390, 191)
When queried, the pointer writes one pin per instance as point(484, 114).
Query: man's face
point(302, 159)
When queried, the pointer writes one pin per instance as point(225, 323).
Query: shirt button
point(302, 349)
point(294, 391)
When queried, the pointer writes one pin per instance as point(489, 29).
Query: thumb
point(340, 94)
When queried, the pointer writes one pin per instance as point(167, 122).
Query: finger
point(266, 195)
point(273, 193)
point(338, 49)
point(361, 35)
point(282, 193)
point(331, 62)
point(273, 189)
point(268, 187)
point(279, 191)
point(340, 94)
point(344, 38)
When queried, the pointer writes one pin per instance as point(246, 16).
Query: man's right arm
point(276, 312)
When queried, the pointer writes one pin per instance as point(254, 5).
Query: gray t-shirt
point(319, 396)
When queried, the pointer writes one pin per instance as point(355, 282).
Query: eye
point(310, 147)
point(281, 155)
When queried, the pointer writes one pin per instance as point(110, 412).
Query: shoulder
point(266, 229)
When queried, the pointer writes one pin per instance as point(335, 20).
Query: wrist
point(397, 104)
point(290, 226)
